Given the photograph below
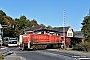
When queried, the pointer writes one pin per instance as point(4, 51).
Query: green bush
point(83, 46)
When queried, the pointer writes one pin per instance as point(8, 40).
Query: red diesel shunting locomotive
point(41, 39)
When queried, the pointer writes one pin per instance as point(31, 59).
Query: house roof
point(78, 34)
point(35, 28)
point(55, 29)
point(60, 29)
point(47, 30)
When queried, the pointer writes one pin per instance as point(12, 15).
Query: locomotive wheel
point(38, 47)
point(45, 46)
point(59, 45)
point(54, 46)
point(34, 47)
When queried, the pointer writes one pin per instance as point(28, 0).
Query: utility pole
point(1, 28)
point(64, 29)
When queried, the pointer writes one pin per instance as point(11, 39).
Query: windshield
point(12, 41)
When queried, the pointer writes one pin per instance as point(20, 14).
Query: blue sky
point(48, 12)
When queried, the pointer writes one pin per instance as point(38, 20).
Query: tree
point(2, 15)
point(21, 24)
point(34, 22)
point(41, 25)
point(86, 27)
point(9, 22)
point(49, 27)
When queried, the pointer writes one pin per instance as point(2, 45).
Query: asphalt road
point(48, 54)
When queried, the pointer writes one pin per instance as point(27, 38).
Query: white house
point(68, 31)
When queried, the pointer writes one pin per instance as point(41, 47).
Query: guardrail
point(4, 50)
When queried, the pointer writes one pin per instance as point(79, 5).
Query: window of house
point(69, 34)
